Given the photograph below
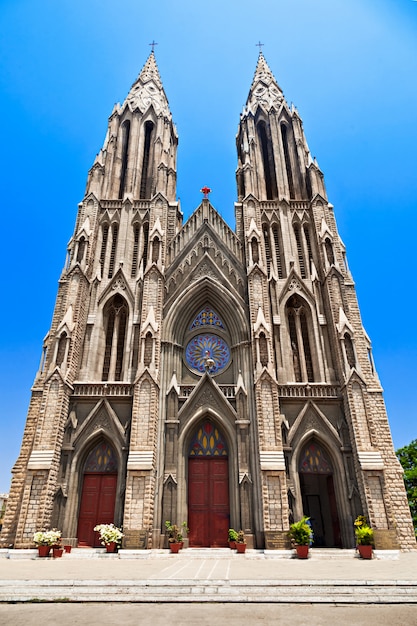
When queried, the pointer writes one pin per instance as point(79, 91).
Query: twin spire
point(148, 89)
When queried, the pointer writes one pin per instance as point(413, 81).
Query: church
point(200, 374)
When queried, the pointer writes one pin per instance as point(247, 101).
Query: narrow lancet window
point(278, 252)
point(145, 244)
point(300, 251)
point(125, 154)
point(115, 232)
point(268, 162)
point(308, 242)
point(329, 251)
point(145, 183)
point(287, 159)
point(267, 250)
point(81, 250)
point(255, 250)
point(147, 358)
point(135, 250)
point(263, 350)
point(105, 236)
point(155, 250)
point(350, 352)
point(62, 344)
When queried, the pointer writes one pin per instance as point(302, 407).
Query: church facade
point(202, 374)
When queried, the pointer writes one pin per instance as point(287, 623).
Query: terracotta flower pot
point(302, 552)
point(174, 547)
point(111, 547)
point(57, 552)
point(241, 548)
point(67, 549)
point(365, 552)
point(44, 550)
point(232, 545)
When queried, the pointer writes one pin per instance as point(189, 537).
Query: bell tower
point(324, 443)
point(97, 387)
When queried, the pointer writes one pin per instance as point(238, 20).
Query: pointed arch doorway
point(98, 495)
point(208, 488)
point(318, 496)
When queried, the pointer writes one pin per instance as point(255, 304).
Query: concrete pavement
point(209, 576)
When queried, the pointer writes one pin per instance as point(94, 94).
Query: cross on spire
point(153, 44)
point(260, 46)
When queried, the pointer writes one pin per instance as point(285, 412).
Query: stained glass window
point(208, 441)
point(101, 459)
point(207, 352)
point(207, 317)
point(314, 461)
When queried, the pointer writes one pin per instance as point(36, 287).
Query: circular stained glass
point(207, 352)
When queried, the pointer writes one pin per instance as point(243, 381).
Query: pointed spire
point(148, 90)
point(150, 71)
point(264, 90)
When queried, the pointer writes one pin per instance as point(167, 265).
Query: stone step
point(266, 591)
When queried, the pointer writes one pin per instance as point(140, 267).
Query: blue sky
point(349, 67)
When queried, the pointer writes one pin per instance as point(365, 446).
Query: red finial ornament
point(205, 190)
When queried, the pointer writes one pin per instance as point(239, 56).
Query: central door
point(208, 489)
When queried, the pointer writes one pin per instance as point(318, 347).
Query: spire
point(264, 90)
point(148, 90)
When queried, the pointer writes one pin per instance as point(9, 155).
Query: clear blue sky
point(350, 68)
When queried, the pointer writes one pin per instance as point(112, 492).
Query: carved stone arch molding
point(190, 301)
point(101, 423)
point(312, 419)
point(102, 418)
point(206, 403)
point(312, 426)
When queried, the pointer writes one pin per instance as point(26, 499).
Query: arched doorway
point(208, 488)
point(98, 495)
point(318, 495)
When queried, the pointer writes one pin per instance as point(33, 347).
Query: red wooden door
point(208, 501)
point(97, 506)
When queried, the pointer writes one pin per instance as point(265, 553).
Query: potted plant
point(364, 537)
point(301, 535)
point(57, 549)
point(44, 540)
point(240, 542)
point(110, 536)
point(232, 538)
point(175, 537)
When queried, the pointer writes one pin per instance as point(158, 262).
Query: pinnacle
point(265, 91)
point(150, 71)
point(148, 90)
point(263, 73)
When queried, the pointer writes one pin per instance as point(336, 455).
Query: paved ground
point(192, 614)
point(85, 564)
point(223, 571)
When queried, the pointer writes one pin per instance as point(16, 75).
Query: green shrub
point(301, 533)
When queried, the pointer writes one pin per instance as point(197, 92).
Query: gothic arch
point(195, 298)
point(263, 130)
point(85, 442)
point(302, 339)
point(224, 421)
point(320, 492)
